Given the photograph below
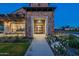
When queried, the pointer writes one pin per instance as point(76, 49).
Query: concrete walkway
point(39, 47)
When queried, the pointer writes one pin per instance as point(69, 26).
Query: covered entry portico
point(39, 23)
point(39, 20)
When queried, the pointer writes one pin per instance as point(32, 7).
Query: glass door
point(39, 26)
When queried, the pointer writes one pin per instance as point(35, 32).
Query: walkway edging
point(28, 49)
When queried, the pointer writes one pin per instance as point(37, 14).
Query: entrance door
point(39, 26)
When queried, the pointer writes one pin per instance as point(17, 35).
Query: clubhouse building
point(28, 21)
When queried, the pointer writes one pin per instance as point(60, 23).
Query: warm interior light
point(39, 21)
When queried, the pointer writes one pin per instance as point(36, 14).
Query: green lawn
point(13, 49)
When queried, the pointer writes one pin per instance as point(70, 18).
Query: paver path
point(39, 47)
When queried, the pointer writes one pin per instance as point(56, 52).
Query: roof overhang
point(39, 8)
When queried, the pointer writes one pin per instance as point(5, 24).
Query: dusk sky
point(65, 14)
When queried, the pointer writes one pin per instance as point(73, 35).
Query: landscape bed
point(67, 45)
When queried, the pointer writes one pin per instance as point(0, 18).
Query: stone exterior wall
point(40, 14)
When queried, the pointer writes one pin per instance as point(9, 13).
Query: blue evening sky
point(65, 14)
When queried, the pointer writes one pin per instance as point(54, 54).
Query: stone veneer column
point(7, 27)
point(29, 30)
point(26, 25)
point(50, 24)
